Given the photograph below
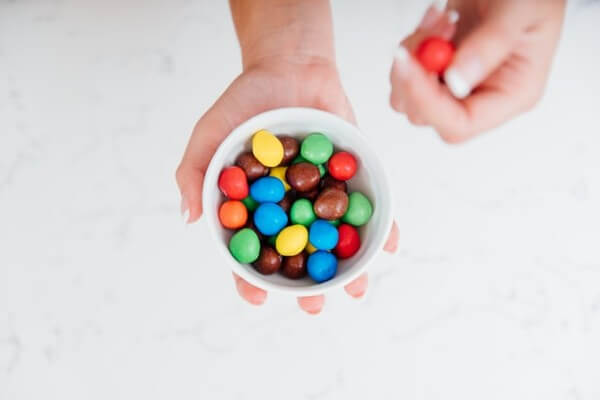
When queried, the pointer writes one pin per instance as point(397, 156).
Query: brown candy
point(303, 176)
point(291, 148)
point(286, 202)
point(329, 181)
point(310, 195)
point(294, 267)
point(268, 261)
point(331, 204)
point(251, 166)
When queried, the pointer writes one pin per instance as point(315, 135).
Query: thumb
point(479, 54)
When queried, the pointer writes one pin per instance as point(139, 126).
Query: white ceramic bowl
point(370, 179)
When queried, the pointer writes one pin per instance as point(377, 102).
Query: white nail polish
point(453, 16)
point(456, 83)
point(440, 5)
point(401, 54)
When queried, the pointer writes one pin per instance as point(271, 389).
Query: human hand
point(270, 84)
point(499, 70)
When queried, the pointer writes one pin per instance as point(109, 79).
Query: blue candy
point(323, 235)
point(267, 189)
point(269, 218)
point(321, 266)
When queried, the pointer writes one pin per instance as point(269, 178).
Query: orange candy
point(233, 214)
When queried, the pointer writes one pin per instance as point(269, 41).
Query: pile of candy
point(290, 205)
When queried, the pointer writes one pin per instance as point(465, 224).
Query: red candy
point(342, 166)
point(435, 54)
point(348, 243)
point(233, 183)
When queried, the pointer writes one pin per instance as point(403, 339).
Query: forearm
point(297, 30)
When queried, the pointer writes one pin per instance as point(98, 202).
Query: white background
point(494, 293)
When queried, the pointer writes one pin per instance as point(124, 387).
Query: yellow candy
point(279, 173)
point(310, 248)
point(267, 148)
point(291, 240)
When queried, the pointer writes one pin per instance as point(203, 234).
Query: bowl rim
point(211, 178)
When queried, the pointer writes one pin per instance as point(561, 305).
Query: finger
point(391, 245)
point(358, 287)
point(248, 292)
point(482, 51)
point(312, 304)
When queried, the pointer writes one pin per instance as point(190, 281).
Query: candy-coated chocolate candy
point(303, 176)
point(244, 246)
point(251, 166)
point(286, 202)
point(310, 248)
point(291, 148)
point(299, 159)
point(269, 218)
point(323, 235)
point(322, 170)
point(302, 212)
point(310, 195)
point(329, 181)
point(267, 148)
point(291, 240)
point(348, 243)
point(233, 183)
point(335, 222)
point(331, 204)
point(268, 261)
point(267, 189)
point(233, 214)
point(321, 266)
point(279, 173)
point(359, 209)
point(250, 225)
point(250, 203)
point(294, 267)
point(342, 166)
point(316, 148)
point(271, 240)
point(435, 54)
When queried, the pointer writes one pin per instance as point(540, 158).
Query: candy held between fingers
point(267, 148)
point(244, 246)
point(359, 209)
point(233, 214)
point(435, 54)
point(233, 183)
point(316, 148)
point(321, 266)
point(269, 218)
point(251, 166)
point(267, 189)
point(291, 240)
point(323, 235)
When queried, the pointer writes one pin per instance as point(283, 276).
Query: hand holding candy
point(502, 59)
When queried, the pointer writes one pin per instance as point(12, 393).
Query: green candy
point(359, 209)
point(302, 212)
point(298, 159)
point(245, 246)
point(335, 222)
point(271, 240)
point(321, 170)
point(316, 148)
point(250, 203)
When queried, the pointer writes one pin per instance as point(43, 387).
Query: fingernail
point(432, 15)
point(440, 5)
point(185, 210)
point(458, 81)
point(453, 16)
point(401, 58)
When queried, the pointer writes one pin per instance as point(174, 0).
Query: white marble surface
point(494, 293)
